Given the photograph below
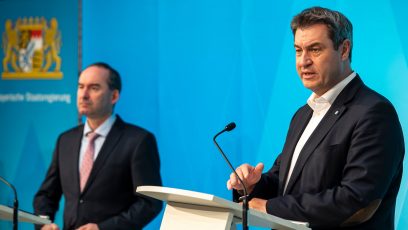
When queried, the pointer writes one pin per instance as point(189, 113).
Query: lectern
point(6, 213)
point(198, 211)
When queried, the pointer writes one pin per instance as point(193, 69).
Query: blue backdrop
point(190, 67)
point(29, 128)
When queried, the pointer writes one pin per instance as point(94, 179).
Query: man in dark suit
point(341, 164)
point(98, 176)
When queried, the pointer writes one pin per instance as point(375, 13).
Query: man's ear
point(115, 96)
point(345, 49)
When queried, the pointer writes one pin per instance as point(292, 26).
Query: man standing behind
point(97, 166)
point(341, 164)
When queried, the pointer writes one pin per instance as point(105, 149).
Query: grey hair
point(339, 27)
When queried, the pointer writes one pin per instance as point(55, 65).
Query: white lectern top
point(6, 213)
point(255, 218)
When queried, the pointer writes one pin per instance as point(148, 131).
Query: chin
point(307, 85)
point(84, 113)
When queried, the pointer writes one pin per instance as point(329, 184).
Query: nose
point(83, 93)
point(304, 60)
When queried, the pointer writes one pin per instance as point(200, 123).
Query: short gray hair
point(339, 27)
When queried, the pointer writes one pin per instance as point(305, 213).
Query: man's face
point(318, 64)
point(94, 98)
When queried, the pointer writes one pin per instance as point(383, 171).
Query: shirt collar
point(326, 100)
point(103, 129)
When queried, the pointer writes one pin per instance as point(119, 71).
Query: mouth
point(84, 104)
point(308, 75)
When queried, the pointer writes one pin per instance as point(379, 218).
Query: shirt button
point(81, 201)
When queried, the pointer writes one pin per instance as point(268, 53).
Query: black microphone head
point(230, 126)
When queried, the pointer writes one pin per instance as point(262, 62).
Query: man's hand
point(89, 226)
point(258, 204)
point(250, 176)
point(50, 227)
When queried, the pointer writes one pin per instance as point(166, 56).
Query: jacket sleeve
point(46, 200)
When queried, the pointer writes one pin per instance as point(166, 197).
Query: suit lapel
point(108, 146)
point(317, 136)
point(299, 124)
point(333, 114)
point(77, 149)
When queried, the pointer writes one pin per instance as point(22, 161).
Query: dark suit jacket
point(127, 159)
point(353, 158)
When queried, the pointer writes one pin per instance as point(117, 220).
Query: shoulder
point(367, 98)
point(132, 130)
point(73, 132)
point(373, 111)
point(70, 136)
point(368, 94)
point(135, 129)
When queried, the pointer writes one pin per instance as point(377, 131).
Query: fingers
point(249, 175)
point(50, 227)
point(254, 177)
point(258, 169)
point(229, 186)
point(233, 182)
point(90, 226)
point(244, 172)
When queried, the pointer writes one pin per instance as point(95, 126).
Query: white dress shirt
point(320, 106)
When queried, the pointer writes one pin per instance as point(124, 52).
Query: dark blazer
point(127, 159)
point(351, 161)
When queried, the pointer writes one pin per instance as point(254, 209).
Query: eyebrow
point(311, 45)
point(90, 85)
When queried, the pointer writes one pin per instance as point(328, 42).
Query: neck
point(347, 69)
point(344, 76)
point(94, 123)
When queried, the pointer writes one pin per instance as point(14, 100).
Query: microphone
point(230, 127)
point(243, 198)
point(15, 206)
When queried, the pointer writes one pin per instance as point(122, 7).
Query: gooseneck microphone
point(15, 203)
point(243, 198)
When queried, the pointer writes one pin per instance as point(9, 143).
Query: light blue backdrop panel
point(29, 130)
point(190, 67)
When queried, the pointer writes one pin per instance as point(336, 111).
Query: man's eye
point(315, 50)
point(298, 52)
